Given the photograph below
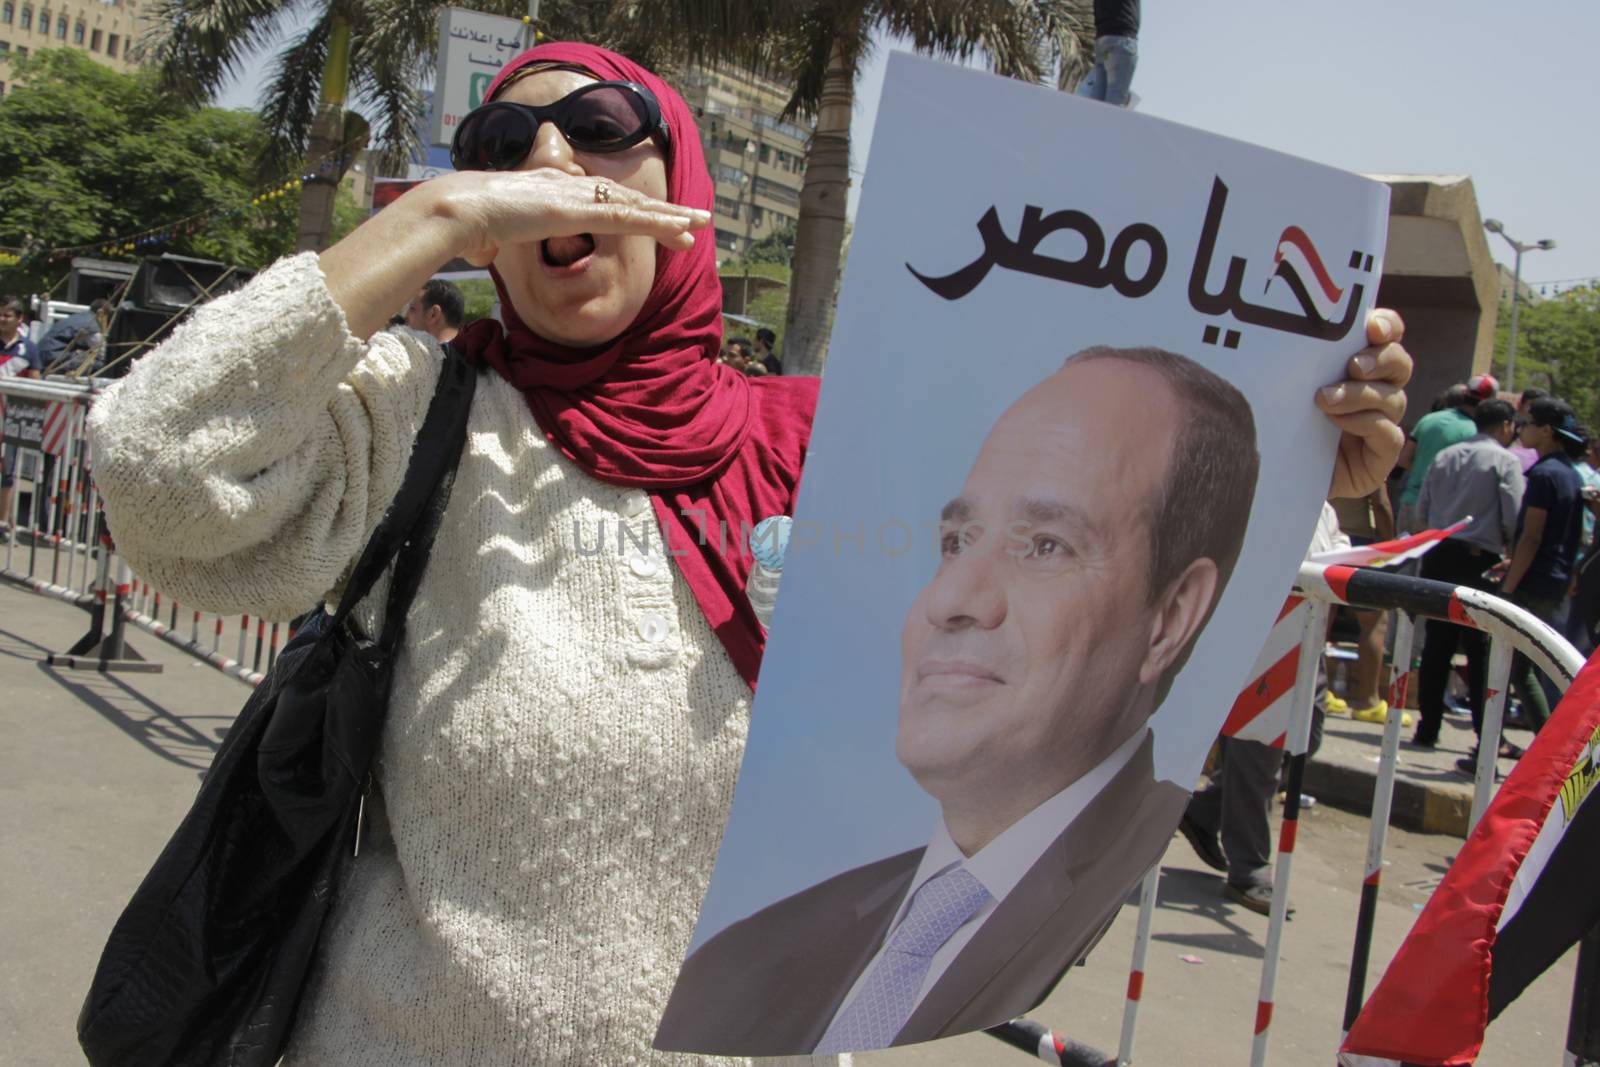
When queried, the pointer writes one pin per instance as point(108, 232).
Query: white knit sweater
point(565, 730)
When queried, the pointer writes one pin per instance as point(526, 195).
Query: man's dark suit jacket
point(769, 985)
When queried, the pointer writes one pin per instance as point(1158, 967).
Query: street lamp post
point(1496, 226)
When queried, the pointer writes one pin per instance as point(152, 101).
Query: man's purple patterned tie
point(885, 999)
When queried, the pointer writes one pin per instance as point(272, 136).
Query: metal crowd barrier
point(59, 546)
point(1510, 629)
point(65, 533)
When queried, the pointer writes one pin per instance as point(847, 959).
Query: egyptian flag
point(1387, 553)
point(1522, 891)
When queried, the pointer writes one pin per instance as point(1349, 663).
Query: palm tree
point(372, 51)
point(197, 45)
point(378, 51)
point(824, 48)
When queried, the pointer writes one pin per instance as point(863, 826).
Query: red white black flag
point(1387, 553)
point(1522, 891)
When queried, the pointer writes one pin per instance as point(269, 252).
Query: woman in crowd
point(570, 705)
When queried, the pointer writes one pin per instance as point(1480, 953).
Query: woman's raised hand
point(473, 214)
point(496, 208)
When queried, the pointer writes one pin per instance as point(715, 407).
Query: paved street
point(1430, 792)
point(96, 769)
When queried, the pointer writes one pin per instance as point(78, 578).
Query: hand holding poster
point(1064, 469)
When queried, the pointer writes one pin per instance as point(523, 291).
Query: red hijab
point(653, 409)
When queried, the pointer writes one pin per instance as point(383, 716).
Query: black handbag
point(207, 962)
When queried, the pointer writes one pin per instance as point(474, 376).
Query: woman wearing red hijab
point(571, 700)
point(570, 704)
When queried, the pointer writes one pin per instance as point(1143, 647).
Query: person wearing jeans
point(1116, 52)
point(1549, 531)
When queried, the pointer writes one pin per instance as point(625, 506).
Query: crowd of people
point(1519, 471)
point(438, 309)
point(1522, 470)
point(753, 358)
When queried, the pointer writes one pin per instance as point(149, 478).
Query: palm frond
point(384, 80)
point(1066, 28)
point(1006, 32)
point(705, 32)
point(198, 45)
point(289, 103)
point(400, 33)
point(803, 50)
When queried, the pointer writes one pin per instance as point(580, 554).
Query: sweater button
point(653, 628)
point(634, 504)
point(642, 565)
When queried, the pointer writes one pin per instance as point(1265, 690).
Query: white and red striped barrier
point(57, 547)
point(1261, 711)
point(1275, 707)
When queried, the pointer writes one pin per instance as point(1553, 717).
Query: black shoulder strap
point(422, 495)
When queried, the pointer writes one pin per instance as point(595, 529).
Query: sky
point(1504, 95)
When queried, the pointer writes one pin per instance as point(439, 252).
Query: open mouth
point(565, 251)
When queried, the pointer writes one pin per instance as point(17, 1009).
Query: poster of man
point(1005, 643)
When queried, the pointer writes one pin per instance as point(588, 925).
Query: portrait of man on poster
point(1086, 550)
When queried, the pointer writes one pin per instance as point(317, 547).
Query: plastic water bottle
point(768, 542)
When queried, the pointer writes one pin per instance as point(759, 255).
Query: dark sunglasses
point(601, 117)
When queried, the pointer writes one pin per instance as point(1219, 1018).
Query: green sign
point(479, 86)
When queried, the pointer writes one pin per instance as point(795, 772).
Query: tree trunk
point(327, 135)
point(819, 233)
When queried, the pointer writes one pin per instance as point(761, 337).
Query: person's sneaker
point(1205, 844)
point(1511, 751)
point(1335, 706)
point(1379, 713)
point(1422, 740)
point(1258, 898)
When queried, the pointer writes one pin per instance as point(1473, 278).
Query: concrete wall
point(1439, 275)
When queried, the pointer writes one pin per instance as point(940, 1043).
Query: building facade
point(104, 29)
point(757, 160)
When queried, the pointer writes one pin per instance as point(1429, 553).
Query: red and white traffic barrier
point(231, 667)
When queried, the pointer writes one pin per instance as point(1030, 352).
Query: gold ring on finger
point(602, 192)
